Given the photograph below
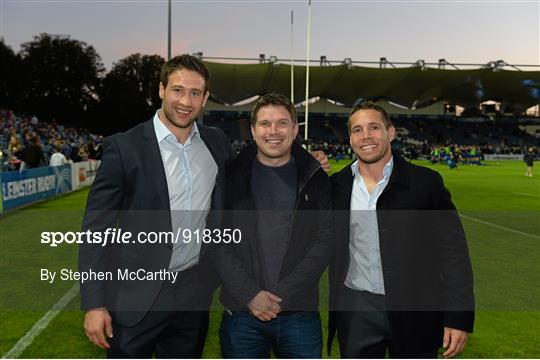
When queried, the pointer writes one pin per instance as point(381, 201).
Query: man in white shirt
point(57, 158)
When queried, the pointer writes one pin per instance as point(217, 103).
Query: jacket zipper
point(295, 210)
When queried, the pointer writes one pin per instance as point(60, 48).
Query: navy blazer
point(130, 192)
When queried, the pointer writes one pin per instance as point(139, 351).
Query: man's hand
point(454, 341)
point(265, 306)
point(322, 158)
point(96, 322)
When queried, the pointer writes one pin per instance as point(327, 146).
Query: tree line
point(57, 77)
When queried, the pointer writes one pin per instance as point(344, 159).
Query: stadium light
point(359, 101)
point(348, 62)
point(383, 62)
point(489, 65)
point(500, 64)
point(262, 58)
point(198, 55)
point(442, 63)
point(273, 59)
point(421, 64)
point(495, 65)
point(323, 60)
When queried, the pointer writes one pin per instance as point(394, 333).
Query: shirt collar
point(162, 132)
point(387, 170)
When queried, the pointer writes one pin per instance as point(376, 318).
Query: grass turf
point(501, 215)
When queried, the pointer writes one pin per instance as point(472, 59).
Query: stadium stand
point(17, 132)
point(417, 136)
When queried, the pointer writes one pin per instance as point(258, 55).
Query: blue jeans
point(290, 335)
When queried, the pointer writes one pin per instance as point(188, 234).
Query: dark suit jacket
point(130, 192)
point(425, 261)
point(310, 237)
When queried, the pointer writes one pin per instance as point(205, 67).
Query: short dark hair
point(275, 100)
point(370, 106)
point(187, 62)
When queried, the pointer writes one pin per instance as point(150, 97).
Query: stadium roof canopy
point(412, 87)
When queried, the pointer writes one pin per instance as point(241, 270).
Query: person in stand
point(33, 153)
point(57, 158)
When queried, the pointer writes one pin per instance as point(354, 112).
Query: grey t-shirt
point(274, 189)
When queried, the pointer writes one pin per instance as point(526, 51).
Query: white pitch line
point(500, 227)
point(41, 324)
point(529, 195)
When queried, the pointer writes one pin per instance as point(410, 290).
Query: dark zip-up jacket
point(310, 237)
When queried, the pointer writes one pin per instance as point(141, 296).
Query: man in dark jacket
point(401, 277)
point(279, 198)
point(151, 178)
point(33, 153)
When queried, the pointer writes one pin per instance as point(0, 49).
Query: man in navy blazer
point(401, 277)
point(151, 178)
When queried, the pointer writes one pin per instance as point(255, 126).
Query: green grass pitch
point(500, 210)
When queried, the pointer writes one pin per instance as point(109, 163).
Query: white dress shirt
point(365, 269)
point(191, 173)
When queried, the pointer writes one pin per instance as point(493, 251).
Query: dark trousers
point(290, 335)
point(364, 330)
point(175, 326)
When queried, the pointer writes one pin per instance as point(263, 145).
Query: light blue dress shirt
point(191, 174)
point(365, 269)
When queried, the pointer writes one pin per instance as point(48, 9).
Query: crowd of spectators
point(26, 142)
point(487, 137)
point(447, 140)
point(334, 150)
point(415, 136)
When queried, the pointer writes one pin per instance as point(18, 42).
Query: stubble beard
point(171, 119)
